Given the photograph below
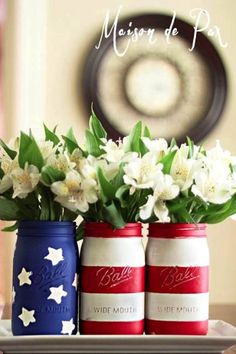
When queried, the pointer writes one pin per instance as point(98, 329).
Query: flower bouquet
point(114, 186)
point(176, 190)
point(134, 179)
point(45, 263)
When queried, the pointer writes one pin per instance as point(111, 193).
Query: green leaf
point(112, 215)
point(184, 216)
point(11, 153)
point(29, 152)
point(217, 209)
point(70, 144)
point(11, 228)
point(69, 215)
point(202, 150)
point(142, 147)
point(50, 210)
point(167, 161)
point(218, 213)
point(96, 127)
point(51, 136)
point(92, 144)
point(122, 195)
point(134, 202)
point(173, 143)
point(28, 207)
point(70, 135)
point(107, 189)
point(214, 219)
point(118, 180)
point(45, 205)
point(50, 175)
point(134, 137)
point(1, 173)
point(9, 210)
point(191, 147)
point(177, 204)
point(55, 210)
point(146, 132)
point(80, 231)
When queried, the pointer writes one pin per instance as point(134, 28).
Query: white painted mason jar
point(112, 280)
point(177, 258)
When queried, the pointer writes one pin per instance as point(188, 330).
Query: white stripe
point(177, 307)
point(177, 252)
point(98, 251)
point(112, 307)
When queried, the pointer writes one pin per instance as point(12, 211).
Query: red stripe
point(112, 280)
point(96, 229)
point(92, 327)
point(174, 327)
point(158, 230)
point(177, 280)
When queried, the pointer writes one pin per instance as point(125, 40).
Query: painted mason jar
point(177, 259)
point(112, 280)
point(45, 279)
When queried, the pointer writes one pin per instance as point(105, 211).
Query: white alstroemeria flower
point(88, 166)
point(5, 183)
point(24, 180)
point(210, 187)
point(215, 167)
point(76, 158)
point(46, 148)
point(114, 156)
point(158, 207)
point(183, 168)
point(14, 144)
point(142, 172)
point(7, 165)
point(75, 193)
point(114, 152)
point(218, 161)
point(217, 153)
point(60, 162)
point(165, 190)
point(110, 169)
point(158, 147)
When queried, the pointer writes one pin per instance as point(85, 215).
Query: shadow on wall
point(225, 312)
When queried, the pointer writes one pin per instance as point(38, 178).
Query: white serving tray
point(221, 337)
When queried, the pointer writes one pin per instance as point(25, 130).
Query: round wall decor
point(176, 92)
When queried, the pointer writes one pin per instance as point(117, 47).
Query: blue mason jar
point(45, 269)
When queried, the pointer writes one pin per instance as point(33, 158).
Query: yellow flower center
point(24, 178)
point(211, 188)
point(145, 170)
point(182, 172)
point(73, 186)
point(8, 165)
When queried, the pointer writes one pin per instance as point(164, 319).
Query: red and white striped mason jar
point(112, 280)
point(177, 258)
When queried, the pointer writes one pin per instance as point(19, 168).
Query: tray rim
point(93, 343)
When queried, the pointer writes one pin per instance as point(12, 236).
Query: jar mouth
point(46, 228)
point(166, 230)
point(43, 222)
point(102, 229)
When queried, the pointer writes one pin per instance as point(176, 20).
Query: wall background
point(46, 43)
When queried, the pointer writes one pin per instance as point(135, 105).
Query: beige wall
point(71, 25)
